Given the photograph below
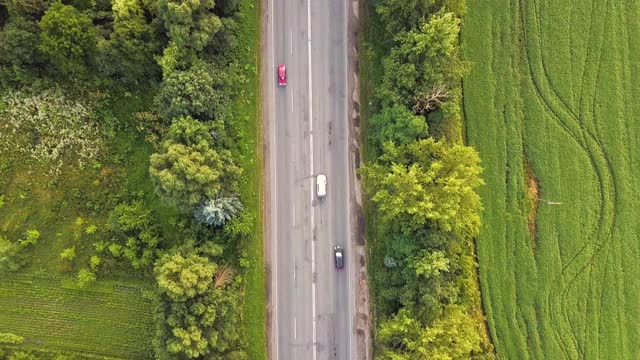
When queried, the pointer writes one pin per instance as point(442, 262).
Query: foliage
point(139, 234)
point(184, 277)
point(55, 127)
point(218, 211)
point(196, 316)
point(68, 39)
point(85, 277)
point(128, 53)
point(189, 92)
point(423, 58)
point(18, 49)
point(11, 339)
point(396, 124)
point(68, 254)
point(189, 24)
point(28, 9)
point(427, 184)
point(403, 337)
point(31, 237)
point(403, 15)
point(188, 169)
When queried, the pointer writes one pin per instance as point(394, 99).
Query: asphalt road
point(307, 134)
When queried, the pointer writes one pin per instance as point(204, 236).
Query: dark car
point(339, 256)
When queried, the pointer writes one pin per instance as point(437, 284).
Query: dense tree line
point(423, 190)
point(183, 52)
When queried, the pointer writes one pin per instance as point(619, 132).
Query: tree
point(398, 125)
point(128, 54)
point(18, 45)
point(32, 9)
point(424, 58)
point(11, 258)
point(139, 232)
point(403, 15)
point(218, 211)
point(188, 170)
point(454, 336)
point(188, 93)
point(68, 38)
point(427, 184)
point(190, 24)
point(184, 277)
point(197, 317)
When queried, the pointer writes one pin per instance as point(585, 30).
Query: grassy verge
point(248, 111)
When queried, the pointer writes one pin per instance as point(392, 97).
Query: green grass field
point(554, 85)
point(108, 320)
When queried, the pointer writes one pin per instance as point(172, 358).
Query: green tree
point(455, 336)
point(188, 93)
point(424, 59)
point(128, 53)
point(396, 124)
point(184, 277)
point(189, 24)
point(18, 49)
point(427, 184)
point(32, 9)
point(11, 258)
point(139, 233)
point(188, 170)
point(68, 38)
point(403, 15)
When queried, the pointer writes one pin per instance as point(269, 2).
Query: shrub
point(48, 127)
point(216, 212)
point(85, 277)
point(10, 339)
point(138, 231)
point(68, 254)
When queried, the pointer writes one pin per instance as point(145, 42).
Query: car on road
point(338, 251)
point(321, 185)
point(282, 75)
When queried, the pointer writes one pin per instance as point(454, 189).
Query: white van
point(321, 185)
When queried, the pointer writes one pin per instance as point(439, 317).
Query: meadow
point(551, 106)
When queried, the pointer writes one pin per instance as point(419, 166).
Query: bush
point(216, 212)
point(10, 339)
point(139, 233)
point(85, 277)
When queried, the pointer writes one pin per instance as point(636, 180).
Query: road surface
point(312, 304)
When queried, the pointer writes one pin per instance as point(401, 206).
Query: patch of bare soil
point(533, 200)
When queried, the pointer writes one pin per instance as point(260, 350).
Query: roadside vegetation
point(130, 180)
point(421, 183)
point(552, 101)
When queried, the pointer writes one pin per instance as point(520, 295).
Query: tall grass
point(551, 85)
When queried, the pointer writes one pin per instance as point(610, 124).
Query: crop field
point(551, 104)
point(95, 323)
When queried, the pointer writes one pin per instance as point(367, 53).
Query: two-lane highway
point(307, 134)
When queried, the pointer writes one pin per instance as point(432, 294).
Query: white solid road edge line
point(351, 306)
point(313, 253)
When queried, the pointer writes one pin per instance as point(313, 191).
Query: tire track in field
point(593, 148)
